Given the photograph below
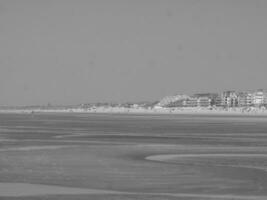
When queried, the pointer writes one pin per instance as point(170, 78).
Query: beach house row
point(196, 100)
point(256, 98)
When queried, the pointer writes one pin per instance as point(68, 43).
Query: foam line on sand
point(30, 148)
point(167, 157)
point(25, 189)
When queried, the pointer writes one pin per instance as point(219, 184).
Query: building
point(170, 101)
point(244, 99)
point(226, 99)
point(265, 99)
point(259, 98)
point(178, 103)
point(218, 102)
point(190, 102)
point(204, 102)
point(206, 99)
point(229, 99)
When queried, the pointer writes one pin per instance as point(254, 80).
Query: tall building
point(229, 99)
point(218, 101)
point(259, 98)
point(244, 99)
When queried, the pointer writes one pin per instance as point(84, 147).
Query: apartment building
point(204, 102)
point(259, 98)
point(206, 99)
point(170, 101)
point(218, 101)
point(229, 99)
point(190, 102)
point(244, 99)
point(197, 100)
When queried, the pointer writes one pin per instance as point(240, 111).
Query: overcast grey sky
point(70, 52)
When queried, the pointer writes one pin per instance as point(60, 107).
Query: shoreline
point(19, 189)
point(153, 111)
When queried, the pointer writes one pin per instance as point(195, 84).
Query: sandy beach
point(90, 156)
point(120, 110)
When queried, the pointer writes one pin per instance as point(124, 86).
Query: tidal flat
point(132, 156)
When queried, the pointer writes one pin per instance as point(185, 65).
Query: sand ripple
point(168, 157)
point(25, 189)
point(29, 148)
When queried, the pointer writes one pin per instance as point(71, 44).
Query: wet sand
point(25, 189)
point(132, 157)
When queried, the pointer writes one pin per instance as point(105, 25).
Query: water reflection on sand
point(141, 157)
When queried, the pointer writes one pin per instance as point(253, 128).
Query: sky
point(81, 51)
